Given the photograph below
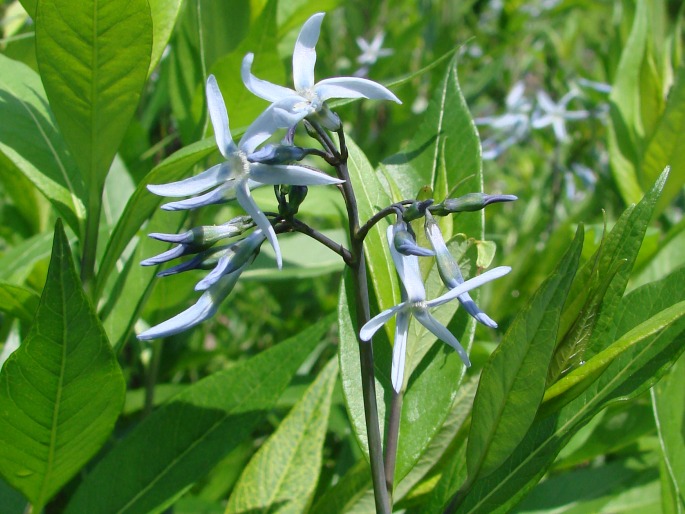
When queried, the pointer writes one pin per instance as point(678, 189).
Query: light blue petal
point(246, 202)
point(224, 193)
point(472, 283)
point(239, 254)
point(204, 309)
point(193, 185)
point(285, 113)
point(470, 306)
point(353, 87)
point(407, 267)
point(219, 117)
point(372, 326)
point(173, 253)
point(304, 55)
point(290, 174)
point(184, 237)
point(399, 350)
point(259, 87)
point(439, 331)
point(194, 263)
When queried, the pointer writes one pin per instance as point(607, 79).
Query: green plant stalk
point(90, 241)
point(393, 433)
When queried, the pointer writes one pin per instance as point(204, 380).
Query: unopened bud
point(469, 203)
point(406, 244)
point(416, 210)
point(296, 197)
point(277, 154)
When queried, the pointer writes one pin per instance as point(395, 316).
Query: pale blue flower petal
point(259, 87)
point(399, 350)
point(173, 253)
point(353, 87)
point(221, 194)
point(193, 185)
point(239, 254)
point(372, 326)
point(246, 202)
point(407, 267)
point(194, 263)
point(290, 174)
point(304, 55)
point(219, 117)
point(439, 331)
point(472, 283)
point(284, 113)
point(204, 309)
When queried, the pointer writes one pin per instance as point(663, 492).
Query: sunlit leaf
point(61, 391)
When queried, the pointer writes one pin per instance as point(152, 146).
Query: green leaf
point(353, 488)
point(93, 58)
point(164, 14)
point(623, 243)
point(33, 143)
point(666, 145)
point(18, 301)
point(512, 383)
point(590, 369)
point(282, 475)
point(61, 391)
point(16, 264)
point(447, 121)
point(626, 130)
point(192, 432)
point(243, 107)
point(630, 374)
point(142, 203)
point(668, 401)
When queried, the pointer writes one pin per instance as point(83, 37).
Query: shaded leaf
point(282, 475)
point(183, 440)
point(164, 14)
point(33, 143)
point(61, 391)
point(18, 301)
point(513, 381)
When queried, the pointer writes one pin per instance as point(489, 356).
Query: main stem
point(363, 314)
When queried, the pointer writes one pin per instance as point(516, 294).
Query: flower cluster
point(523, 115)
point(405, 252)
point(246, 167)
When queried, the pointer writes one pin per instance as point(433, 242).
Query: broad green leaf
point(61, 391)
point(183, 440)
point(33, 143)
point(282, 475)
point(93, 58)
point(626, 130)
point(665, 148)
point(164, 14)
point(448, 120)
point(143, 203)
point(513, 381)
point(18, 301)
point(590, 369)
point(630, 374)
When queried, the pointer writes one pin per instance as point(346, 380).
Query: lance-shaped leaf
point(282, 475)
point(18, 301)
point(33, 144)
point(93, 58)
point(61, 391)
point(189, 435)
point(512, 383)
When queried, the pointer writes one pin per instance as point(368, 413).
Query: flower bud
point(469, 203)
point(416, 210)
point(296, 197)
point(277, 154)
point(405, 243)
